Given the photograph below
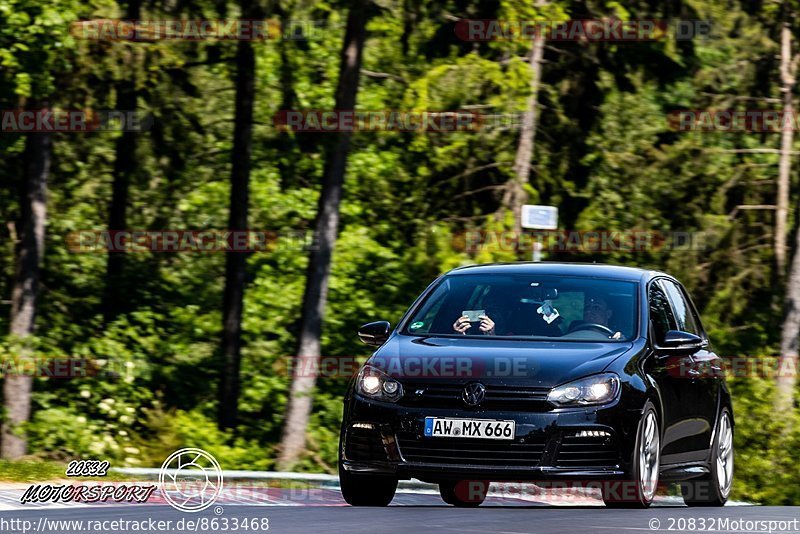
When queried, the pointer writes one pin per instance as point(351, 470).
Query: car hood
point(493, 361)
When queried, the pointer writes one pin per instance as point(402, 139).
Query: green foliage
point(604, 153)
point(178, 429)
point(766, 470)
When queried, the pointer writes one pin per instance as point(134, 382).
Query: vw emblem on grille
point(473, 393)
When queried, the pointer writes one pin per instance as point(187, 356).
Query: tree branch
point(382, 75)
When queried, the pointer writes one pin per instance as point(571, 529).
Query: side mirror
point(375, 333)
point(677, 340)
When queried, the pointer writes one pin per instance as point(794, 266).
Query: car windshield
point(528, 306)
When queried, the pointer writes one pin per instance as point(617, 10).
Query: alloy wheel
point(725, 455)
point(649, 456)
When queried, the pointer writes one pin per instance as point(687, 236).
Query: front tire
point(464, 493)
point(639, 489)
point(366, 490)
point(714, 488)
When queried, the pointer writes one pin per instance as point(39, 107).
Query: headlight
point(597, 389)
point(375, 384)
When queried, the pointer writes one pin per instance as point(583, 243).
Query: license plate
point(440, 427)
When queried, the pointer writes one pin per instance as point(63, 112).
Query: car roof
point(590, 270)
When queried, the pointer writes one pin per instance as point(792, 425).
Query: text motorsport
point(85, 493)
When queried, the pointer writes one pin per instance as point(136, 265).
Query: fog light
point(593, 434)
point(368, 426)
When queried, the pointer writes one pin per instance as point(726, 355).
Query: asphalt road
point(413, 513)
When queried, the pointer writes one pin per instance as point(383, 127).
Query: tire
point(638, 489)
point(366, 490)
point(715, 488)
point(464, 493)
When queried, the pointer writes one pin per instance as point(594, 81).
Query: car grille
point(497, 397)
point(471, 451)
point(577, 451)
point(364, 445)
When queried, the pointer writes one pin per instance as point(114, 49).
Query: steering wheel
point(596, 326)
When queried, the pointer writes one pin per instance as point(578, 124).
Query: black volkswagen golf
point(541, 372)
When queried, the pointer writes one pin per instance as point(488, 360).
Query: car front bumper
point(592, 443)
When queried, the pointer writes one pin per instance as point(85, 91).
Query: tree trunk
point(784, 399)
point(25, 289)
point(785, 164)
point(315, 296)
point(235, 261)
point(514, 195)
point(124, 168)
point(785, 383)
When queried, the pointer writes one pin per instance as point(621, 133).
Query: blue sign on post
point(539, 217)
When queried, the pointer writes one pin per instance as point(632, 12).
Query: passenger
point(492, 304)
point(486, 325)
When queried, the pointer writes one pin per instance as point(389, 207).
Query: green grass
point(44, 470)
point(30, 470)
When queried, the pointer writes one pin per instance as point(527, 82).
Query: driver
point(596, 310)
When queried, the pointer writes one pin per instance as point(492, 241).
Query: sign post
point(539, 218)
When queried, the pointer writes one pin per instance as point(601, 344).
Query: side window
point(661, 315)
point(684, 315)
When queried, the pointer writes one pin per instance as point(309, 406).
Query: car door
point(702, 375)
point(662, 368)
point(670, 372)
